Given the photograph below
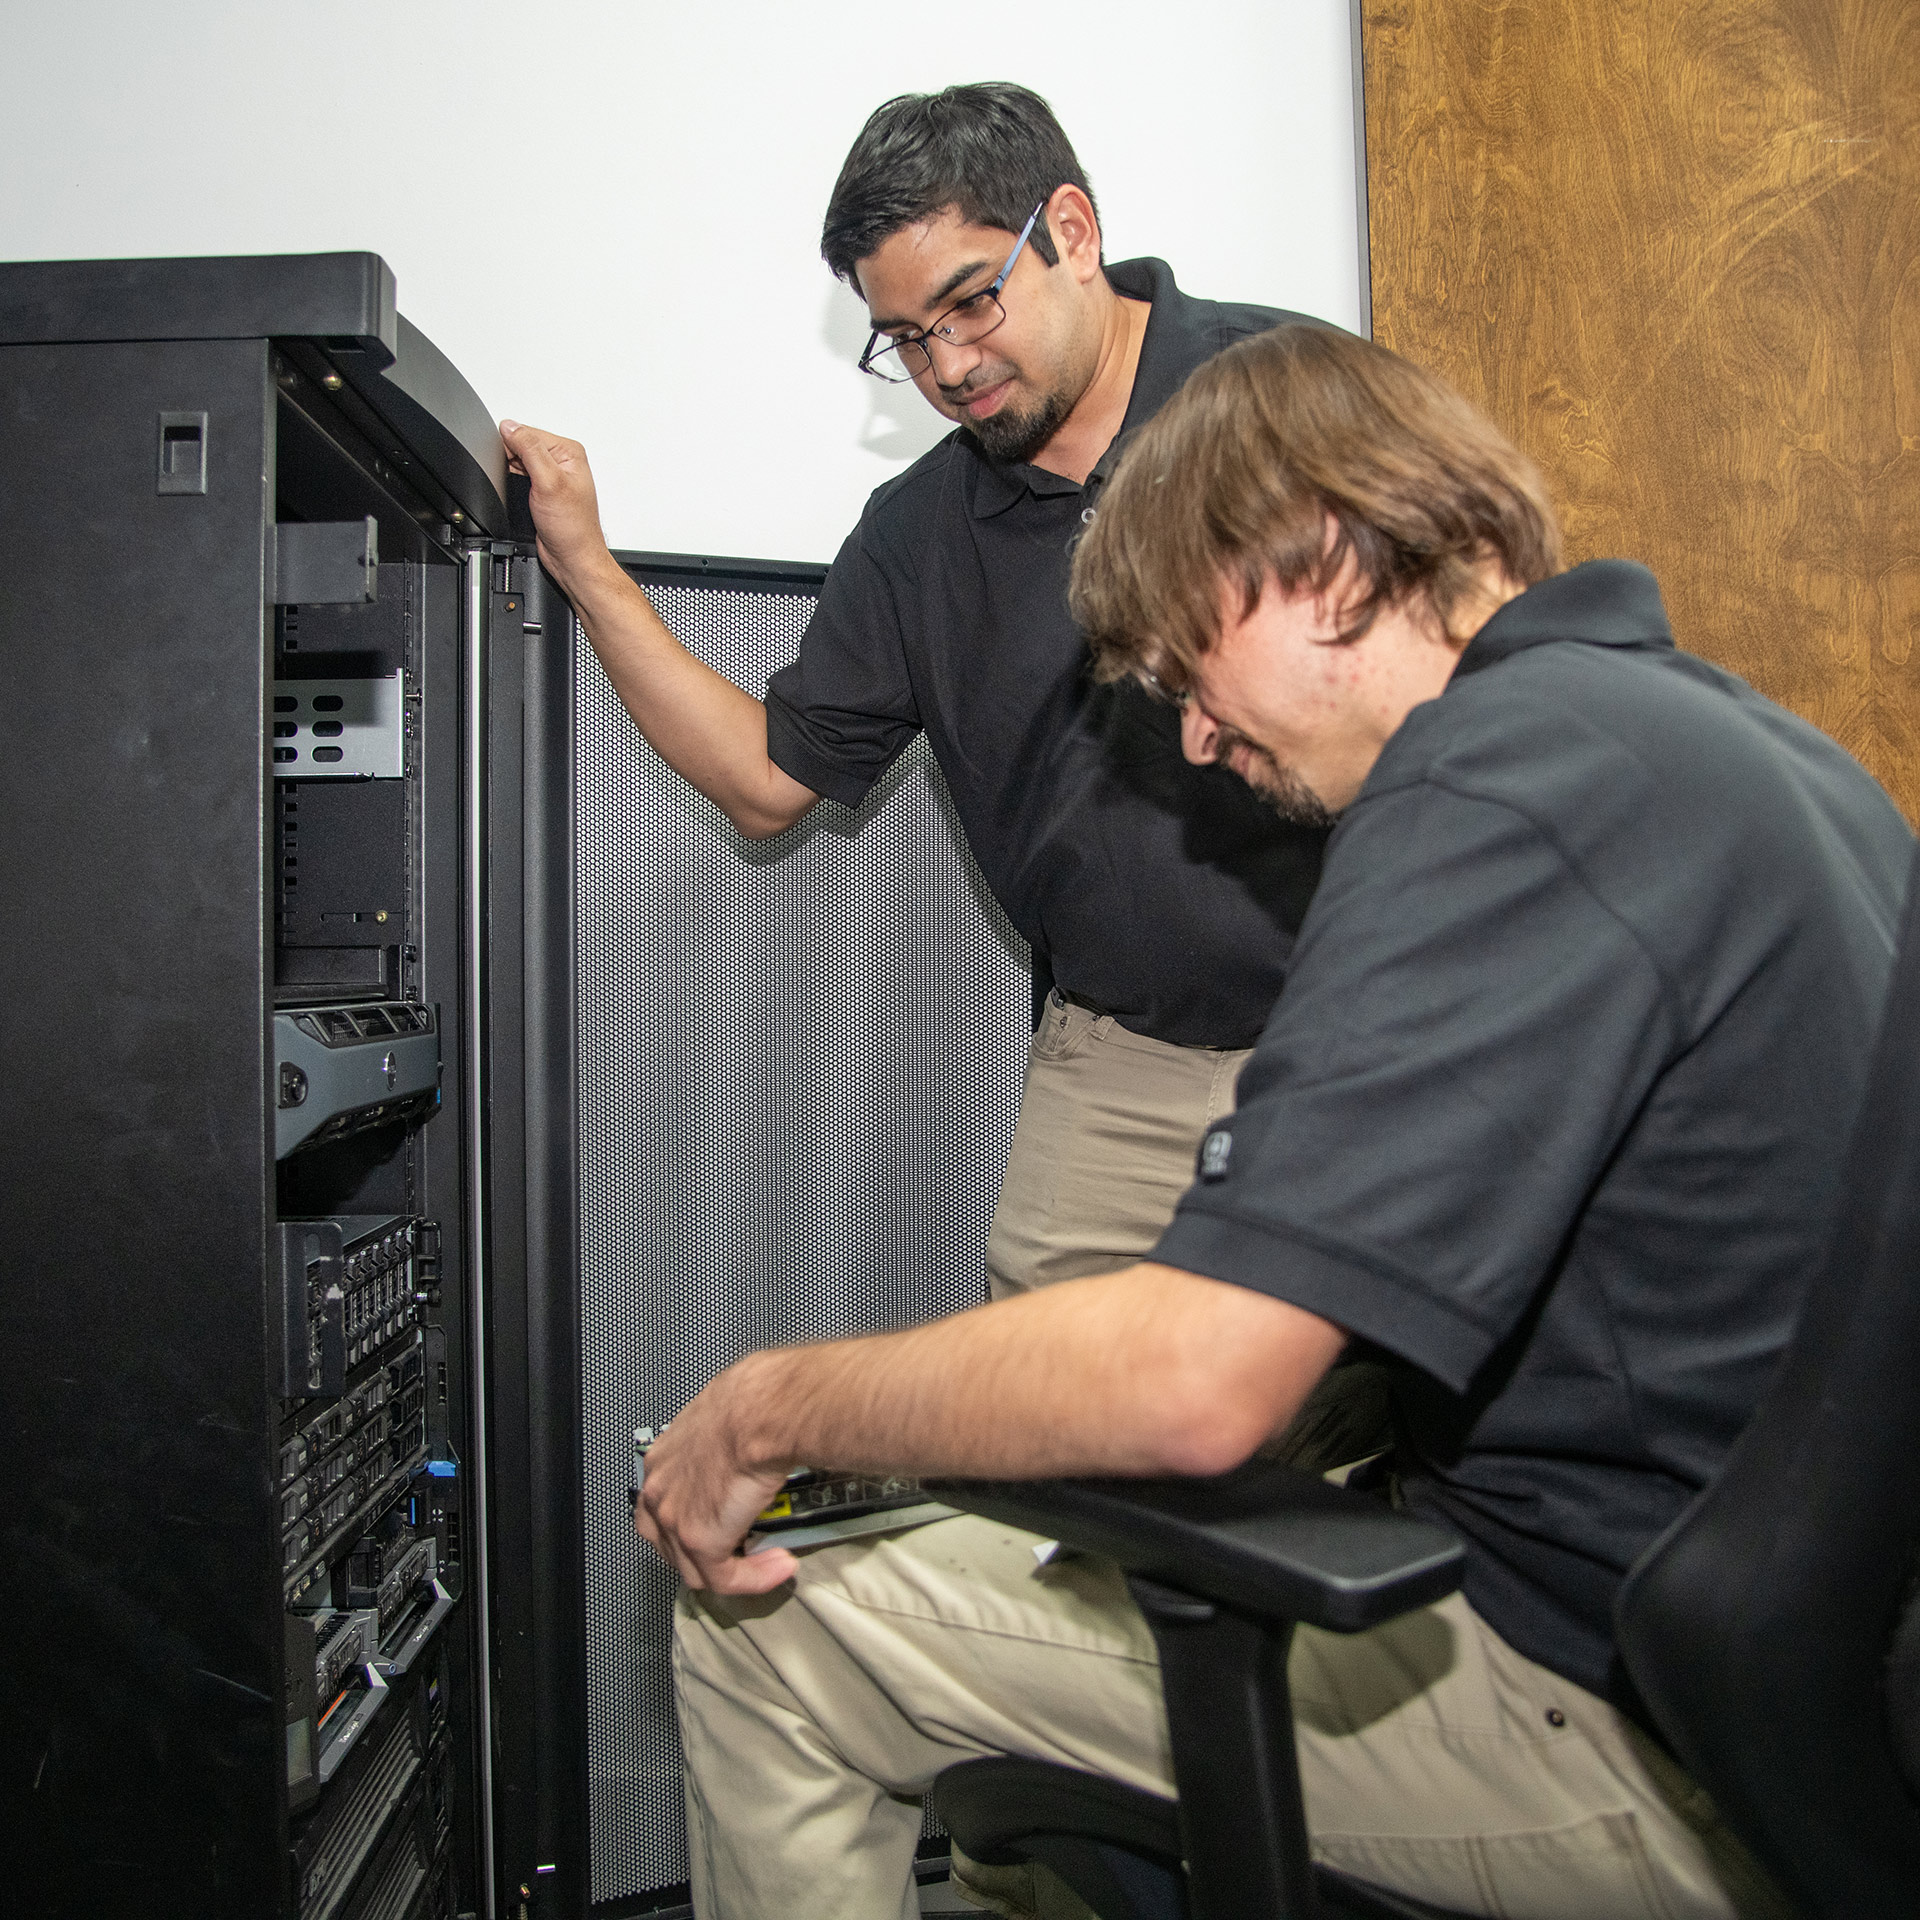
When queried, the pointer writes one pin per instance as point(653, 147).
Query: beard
point(1014, 433)
point(1279, 786)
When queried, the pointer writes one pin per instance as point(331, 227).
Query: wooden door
point(1673, 247)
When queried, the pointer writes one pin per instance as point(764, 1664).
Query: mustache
point(1229, 740)
point(1279, 786)
point(977, 381)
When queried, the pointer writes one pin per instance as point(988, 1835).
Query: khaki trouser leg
point(1109, 1127)
point(1430, 1752)
point(1436, 1760)
point(812, 1722)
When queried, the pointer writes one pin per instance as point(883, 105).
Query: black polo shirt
point(1554, 1107)
point(1164, 893)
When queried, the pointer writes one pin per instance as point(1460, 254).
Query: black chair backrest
point(1772, 1631)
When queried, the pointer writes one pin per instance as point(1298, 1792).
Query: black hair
point(990, 150)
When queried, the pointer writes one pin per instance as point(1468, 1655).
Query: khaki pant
point(1434, 1759)
point(1109, 1127)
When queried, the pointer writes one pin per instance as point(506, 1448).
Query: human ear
point(1075, 229)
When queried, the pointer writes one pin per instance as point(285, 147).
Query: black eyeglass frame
point(991, 291)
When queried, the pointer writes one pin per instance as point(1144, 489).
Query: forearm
point(1146, 1372)
point(710, 732)
point(1150, 1371)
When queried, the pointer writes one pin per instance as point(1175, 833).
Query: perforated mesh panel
point(800, 1068)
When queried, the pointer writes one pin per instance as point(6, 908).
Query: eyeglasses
point(961, 325)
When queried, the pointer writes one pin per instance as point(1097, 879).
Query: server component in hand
point(811, 1498)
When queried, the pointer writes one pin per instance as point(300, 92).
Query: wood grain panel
point(1675, 250)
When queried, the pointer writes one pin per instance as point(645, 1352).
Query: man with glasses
point(1162, 896)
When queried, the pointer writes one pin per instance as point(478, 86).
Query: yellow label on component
point(782, 1509)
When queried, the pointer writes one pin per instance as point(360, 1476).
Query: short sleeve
point(844, 711)
point(1466, 1034)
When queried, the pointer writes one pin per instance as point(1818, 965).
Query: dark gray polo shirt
point(1164, 893)
point(1554, 1105)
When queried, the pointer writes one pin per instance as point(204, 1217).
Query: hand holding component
point(701, 1493)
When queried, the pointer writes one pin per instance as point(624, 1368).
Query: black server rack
point(406, 1086)
point(284, 1570)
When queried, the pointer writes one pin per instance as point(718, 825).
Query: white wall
point(607, 212)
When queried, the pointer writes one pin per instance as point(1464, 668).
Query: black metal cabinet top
point(340, 305)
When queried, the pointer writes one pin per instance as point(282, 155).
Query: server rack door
point(137, 1740)
point(797, 1066)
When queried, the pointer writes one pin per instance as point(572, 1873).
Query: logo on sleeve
point(1215, 1151)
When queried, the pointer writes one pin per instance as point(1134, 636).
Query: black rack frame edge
point(555, 1372)
point(684, 569)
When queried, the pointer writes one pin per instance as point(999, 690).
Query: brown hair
point(1234, 479)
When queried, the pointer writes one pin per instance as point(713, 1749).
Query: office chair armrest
point(1273, 1543)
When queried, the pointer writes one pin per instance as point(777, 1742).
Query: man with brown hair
point(1550, 1114)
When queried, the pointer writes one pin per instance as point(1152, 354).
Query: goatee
point(1010, 436)
point(1280, 787)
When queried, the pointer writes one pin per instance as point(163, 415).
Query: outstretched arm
point(1149, 1371)
point(704, 727)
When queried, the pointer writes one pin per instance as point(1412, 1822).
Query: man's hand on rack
point(701, 1497)
point(709, 731)
point(565, 505)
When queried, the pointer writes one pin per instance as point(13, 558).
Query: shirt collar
point(1605, 603)
point(1177, 340)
